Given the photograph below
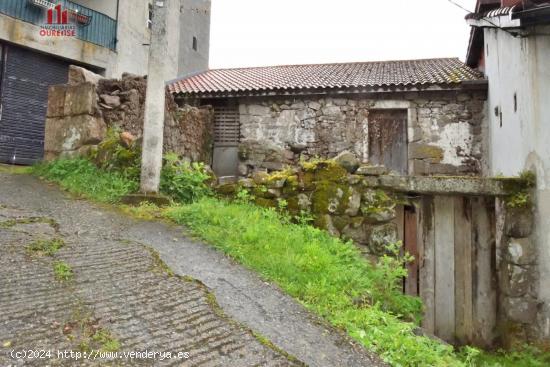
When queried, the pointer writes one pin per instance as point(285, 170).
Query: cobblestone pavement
point(120, 296)
point(120, 292)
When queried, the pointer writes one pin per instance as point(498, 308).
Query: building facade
point(417, 117)
point(510, 43)
point(39, 39)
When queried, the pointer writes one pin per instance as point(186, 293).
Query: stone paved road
point(122, 292)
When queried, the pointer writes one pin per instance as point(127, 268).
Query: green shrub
point(184, 182)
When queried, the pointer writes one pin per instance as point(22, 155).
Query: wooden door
point(388, 139)
point(456, 247)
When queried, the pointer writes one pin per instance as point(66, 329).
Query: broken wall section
point(81, 112)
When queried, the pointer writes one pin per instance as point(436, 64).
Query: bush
point(182, 181)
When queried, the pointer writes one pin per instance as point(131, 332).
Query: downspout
point(116, 30)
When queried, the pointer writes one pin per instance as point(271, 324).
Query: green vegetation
point(82, 177)
point(46, 247)
point(182, 181)
point(62, 271)
point(523, 356)
point(328, 276)
point(107, 343)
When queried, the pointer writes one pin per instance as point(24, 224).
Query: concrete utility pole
point(161, 55)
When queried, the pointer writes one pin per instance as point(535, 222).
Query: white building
point(510, 43)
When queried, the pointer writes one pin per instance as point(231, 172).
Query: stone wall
point(444, 129)
point(362, 203)
point(80, 113)
point(338, 196)
point(518, 276)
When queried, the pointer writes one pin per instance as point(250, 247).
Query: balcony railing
point(101, 29)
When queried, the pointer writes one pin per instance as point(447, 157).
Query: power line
point(515, 35)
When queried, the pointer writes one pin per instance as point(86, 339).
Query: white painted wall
point(521, 66)
point(195, 22)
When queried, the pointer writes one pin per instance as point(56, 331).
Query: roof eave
point(503, 21)
point(480, 84)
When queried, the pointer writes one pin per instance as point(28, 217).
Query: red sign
point(59, 22)
point(62, 15)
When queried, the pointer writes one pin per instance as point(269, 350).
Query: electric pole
point(165, 23)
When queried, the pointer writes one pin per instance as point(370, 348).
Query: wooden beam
point(444, 268)
point(426, 253)
point(463, 270)
point(484, 288)
point(411, 246)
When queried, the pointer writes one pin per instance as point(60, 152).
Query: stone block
point(367, 170)
point(332, 111)
point(521, 309)
point(325, 222)
point(378, 237)
point(356, 232)
point(111, 101)
point(425, 151)
point(78, 75)
point(354, 203)
point(72, 132)
point(258, 110)
point(348, 160)
point(80, 99)
point(56, 101)
point(314, 105)
point(519, 222)
point(522, 251)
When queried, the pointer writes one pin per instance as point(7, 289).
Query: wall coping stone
point(451, 185)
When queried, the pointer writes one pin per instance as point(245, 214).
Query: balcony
point(100, 30)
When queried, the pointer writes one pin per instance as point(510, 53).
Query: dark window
point(150, 20)
point(195, 43)
point(515, 102)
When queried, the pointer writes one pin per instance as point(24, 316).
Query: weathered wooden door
point(456, 247)
point(388, 139)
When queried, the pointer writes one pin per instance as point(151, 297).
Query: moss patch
point(46, 247)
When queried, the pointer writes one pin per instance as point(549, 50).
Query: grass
point(522, 356)
point(46, 247)
point(62, 271)
point(328, 276)
point(80, 176)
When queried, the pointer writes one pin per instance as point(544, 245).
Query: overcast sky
point(275, 32)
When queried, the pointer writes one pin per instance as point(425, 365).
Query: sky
point(275, 32)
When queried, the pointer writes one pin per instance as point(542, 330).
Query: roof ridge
point(400, 73)
point(324, 64)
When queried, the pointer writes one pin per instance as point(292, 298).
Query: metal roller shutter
point(226, 141)
point(26, 76)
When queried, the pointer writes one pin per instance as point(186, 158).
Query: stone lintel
point(452, 185)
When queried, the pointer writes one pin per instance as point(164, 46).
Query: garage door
point(26, 76)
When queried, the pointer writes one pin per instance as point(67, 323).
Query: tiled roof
point(410, 73)
point(491, 13)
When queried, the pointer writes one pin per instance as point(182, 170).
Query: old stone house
point(416, 117)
